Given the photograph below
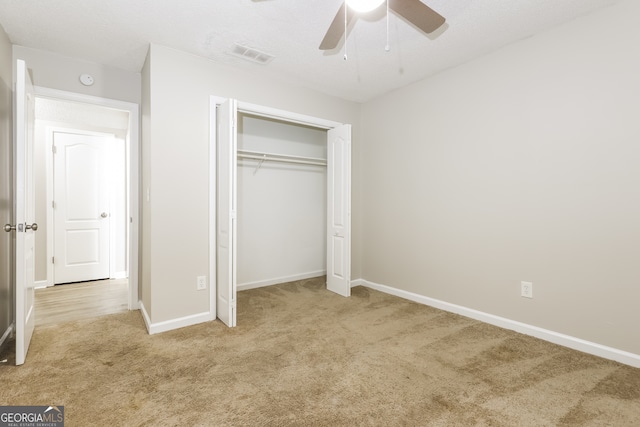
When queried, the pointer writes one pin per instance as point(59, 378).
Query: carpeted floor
point(302, 356)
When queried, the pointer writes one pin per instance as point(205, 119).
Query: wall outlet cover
point(526, 289)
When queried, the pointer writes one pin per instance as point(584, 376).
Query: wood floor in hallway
point(74, 301)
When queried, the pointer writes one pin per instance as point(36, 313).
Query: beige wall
point(521, 165)
point(55, 71)
point(5, 54)
point(178, 152)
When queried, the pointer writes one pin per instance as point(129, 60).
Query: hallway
point(75, 301)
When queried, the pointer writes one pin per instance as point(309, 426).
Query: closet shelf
point(255, 155)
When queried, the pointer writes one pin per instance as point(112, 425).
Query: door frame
point(132, 143)
point(254, 110)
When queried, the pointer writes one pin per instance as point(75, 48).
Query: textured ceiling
point(117, 33)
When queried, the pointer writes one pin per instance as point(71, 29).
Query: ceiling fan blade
point(336, 29)
point(418, 13)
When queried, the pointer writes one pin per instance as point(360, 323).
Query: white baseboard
point(262, 283)
point(120, 275)
point(557, 338)
point(136, 305)
point(40, 284)
point(5, 336)
point(168, 325)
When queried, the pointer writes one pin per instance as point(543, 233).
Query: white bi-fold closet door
point(338, 199)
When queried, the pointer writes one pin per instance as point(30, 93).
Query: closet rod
point(245, 154)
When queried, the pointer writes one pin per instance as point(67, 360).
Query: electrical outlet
point(201, 283)
point(526, 289)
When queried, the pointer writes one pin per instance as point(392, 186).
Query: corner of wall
point(145, 206)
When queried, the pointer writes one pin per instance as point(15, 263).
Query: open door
point(24, 211)
point(226, 229)
point(339, 210)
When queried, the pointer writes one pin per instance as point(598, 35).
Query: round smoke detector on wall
point(86, 79)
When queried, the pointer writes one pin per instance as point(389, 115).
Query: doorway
point(74, 129)
point(80, 301)
point(88, 205)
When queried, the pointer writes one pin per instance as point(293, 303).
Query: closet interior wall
point(282, 207)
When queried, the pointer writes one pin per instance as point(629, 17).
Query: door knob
point(104, 215)
point(9, 227)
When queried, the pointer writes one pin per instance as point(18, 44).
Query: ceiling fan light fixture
point(364, 5)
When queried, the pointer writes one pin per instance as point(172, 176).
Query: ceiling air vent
point(251, 54)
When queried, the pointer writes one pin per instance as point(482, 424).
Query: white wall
point(55, 71)
point(520, 165)
point(281, 207)
point(176, 147)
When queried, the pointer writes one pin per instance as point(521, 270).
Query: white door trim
point(133, 160)
point(287, 116)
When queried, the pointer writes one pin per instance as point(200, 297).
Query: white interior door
point(339, 210)
point(226, 228)
point(81, 207)
point(24, 211)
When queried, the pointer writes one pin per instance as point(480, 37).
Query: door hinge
point(53, 148)
point(53, 204)
point(53, 260)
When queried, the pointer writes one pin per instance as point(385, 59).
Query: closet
point(283, 200)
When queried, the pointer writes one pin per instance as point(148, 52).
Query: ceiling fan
point(414, 11)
